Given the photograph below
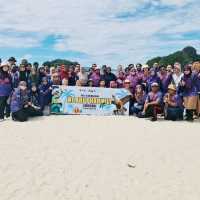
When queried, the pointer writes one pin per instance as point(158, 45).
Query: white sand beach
point(99, 158)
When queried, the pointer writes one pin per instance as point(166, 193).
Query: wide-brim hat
point(172, 87)
point(4, 63)
point(145, 66)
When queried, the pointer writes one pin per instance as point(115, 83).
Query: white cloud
point(91, 27)
point(18, 41)
point(175, 2)
point(26, 56)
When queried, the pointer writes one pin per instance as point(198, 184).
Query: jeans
point(174, 114)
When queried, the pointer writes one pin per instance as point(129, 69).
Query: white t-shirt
point(177, 78)
point(83, 77)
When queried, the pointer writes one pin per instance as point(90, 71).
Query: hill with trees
point(187, 55)
point(58, 62)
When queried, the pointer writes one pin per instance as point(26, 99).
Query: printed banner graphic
point(90, 101)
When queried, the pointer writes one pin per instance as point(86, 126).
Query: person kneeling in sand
point(139, 101)
point(173, 105)
point(21, 107)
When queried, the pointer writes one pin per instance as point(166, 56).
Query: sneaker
point(153, 119)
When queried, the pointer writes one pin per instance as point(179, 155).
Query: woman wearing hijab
point(132, 77)
point(153, 78)
point(196, 70)
point(34, 97)
point(23, 75)
point(41, 74)
point(188, 87)
point(33, 78)
point(5, 89)
point(45, 91)
point(177, 74)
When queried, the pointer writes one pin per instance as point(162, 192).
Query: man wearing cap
point(173, 104)
point(153, 103)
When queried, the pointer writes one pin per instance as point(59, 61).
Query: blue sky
point(105, 32)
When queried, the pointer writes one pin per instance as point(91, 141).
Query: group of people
point(171, 91)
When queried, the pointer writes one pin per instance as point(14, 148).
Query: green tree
point(58, 62)
point(187, 55)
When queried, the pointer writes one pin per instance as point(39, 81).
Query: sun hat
point(4, 63)
point(172, 87)
point(145, 66)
